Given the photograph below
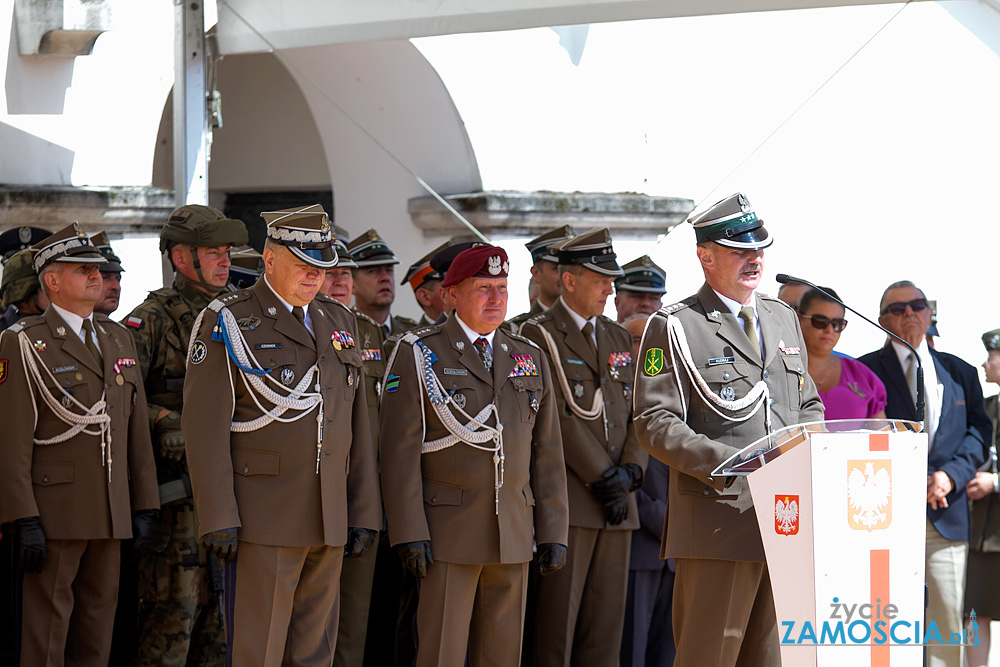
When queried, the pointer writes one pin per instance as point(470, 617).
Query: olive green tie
point(588, 335)
point(88, 340)
point(746, 312)
point(300, 315)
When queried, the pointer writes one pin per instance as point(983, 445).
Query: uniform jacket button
point(766, 373)
point(45, 480)
point(245, 470)
point(612, 448)
point(725, 376)
point(434, 499)
point(705, 491)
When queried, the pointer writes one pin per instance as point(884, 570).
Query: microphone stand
point(784, 279)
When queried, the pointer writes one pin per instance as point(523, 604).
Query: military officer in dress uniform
point(111, 275)
point(472, 469)
point(76, 466)
point(640, 288)
point(544, 272)
point(279, 447)
point(737, 340)
point(374, 282)
point(580, 611)
point(426, 283)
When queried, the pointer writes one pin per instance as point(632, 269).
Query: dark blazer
point(651, 499)
point(963, 434)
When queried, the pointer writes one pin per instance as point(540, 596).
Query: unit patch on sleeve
point(392, 383)
point(198, 352)
point(134, 322)
point(654, 361)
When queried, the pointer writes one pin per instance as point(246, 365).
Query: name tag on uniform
point(578, 362)
point(63, 369)
point(268, 346)
point(721, 360)
point(455, 371)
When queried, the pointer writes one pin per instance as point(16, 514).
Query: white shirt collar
point(75, 322)
point(735, 306)
point(472, 335)
point(577, 317)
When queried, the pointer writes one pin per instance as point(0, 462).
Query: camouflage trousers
point(179, 618)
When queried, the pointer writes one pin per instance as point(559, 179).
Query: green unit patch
point(654, 361)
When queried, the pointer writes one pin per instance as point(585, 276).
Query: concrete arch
point(281, 132)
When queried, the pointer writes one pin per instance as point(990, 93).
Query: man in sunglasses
point(959, 432)
point(733, 337)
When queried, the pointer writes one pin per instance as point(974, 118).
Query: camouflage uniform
point(179, 613)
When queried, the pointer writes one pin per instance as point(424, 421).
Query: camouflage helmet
point(19, 278)
point(202, 226)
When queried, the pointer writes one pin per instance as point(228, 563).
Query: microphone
point(784, 279)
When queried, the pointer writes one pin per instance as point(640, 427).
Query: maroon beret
point(482, 261)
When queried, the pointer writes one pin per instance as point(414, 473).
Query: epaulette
point(329, 300)
point(774, 299)
point(233, 297)
point(539, 318)
point(680, 305)
point(521, 338)
point(25, 322)
point(104, 319)
point(361, 316)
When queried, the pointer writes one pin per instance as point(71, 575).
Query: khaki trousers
point(354, 603)
point(945, 573)
point(581, 608)
point(474, 609)
point(724, 615)
point(68, 609)
point(280, 605)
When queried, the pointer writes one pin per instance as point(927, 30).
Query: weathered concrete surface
point(117, 210)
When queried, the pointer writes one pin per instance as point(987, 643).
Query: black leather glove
point(616, 480)
point(170, 438)
point(31, 540)
point(416, 556)
point(616, 509)
point(142, 531)
point(221, 543)
point(550, 557)
point(359, 540)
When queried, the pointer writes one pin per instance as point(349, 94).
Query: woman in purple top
point(849, 389)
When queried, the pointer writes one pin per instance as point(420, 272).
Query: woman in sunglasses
point(849, 389)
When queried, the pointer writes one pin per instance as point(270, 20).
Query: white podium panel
point(842, 516)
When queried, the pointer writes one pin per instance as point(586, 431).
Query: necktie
point(88, 340)
point(300, 315)
point(746, 312)
point(483, 348)
point(588, 335)
point(911, 377)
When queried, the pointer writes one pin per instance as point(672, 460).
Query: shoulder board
point(25, 322)
point(407, 321)
point(413, 335)
point(522, 339)
point(539, 318)
point(333, 303)
point(323, 296)
point(680, 305)
point(361, 316)
point(234, 297)
point(104, 319)
point(775, 300)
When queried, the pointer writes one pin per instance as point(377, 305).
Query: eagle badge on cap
point(745, 203)
point(495, 265)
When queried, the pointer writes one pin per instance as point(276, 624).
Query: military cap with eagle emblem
point(591, 250)
point(542, 247)
point(642, 275)
point(306, 231)
point(480, 261)
point(370, 250)
point(68, 245)
point(20, 238)
point(733, 223)
point(421, 271)
point(103, 245)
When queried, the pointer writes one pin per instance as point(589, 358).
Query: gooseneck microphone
point(784, 279)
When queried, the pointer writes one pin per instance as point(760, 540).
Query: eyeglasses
point(899, 307)
point(822, 322)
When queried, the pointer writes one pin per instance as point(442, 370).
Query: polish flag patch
point(133, 322)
